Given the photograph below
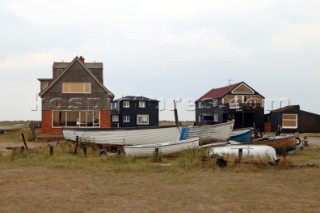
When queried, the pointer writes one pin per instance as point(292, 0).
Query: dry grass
point(37, 182)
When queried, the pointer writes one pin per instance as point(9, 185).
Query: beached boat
point(280, 143)
point(211, 133)
point(161, 148)
point(254, 151)
point(130, 136)
point(241, 135)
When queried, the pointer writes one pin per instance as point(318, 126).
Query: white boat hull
point(124, 136)
point(163, 148)
point(211, 133)
point(256, 151)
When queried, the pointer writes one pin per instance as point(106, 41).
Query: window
point(114, 105)
point(126, 119)
point(126, 104)
point(76, 87)
point(199, 118)
point(289, 121)
point(199, 104)
point(216, 118)
point(142, 104)
point(75, 118)
point(115, 118)
point(143, 119)
point(215, 102)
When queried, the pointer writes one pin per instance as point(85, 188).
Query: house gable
point(83, 74)
point(243, 89)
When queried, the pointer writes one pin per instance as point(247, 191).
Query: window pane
point(289, 116)
point(76, 87)
point(72, 118)
point(58, 118)
point(96, 118)
point(289, 123)
point(142, 119)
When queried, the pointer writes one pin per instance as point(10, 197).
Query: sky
point(168, 49)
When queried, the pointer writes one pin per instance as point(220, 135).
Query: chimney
point(81, 59)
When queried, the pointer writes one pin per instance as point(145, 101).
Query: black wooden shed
point(292, 119)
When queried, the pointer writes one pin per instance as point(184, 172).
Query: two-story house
point(237, 101)
point(135, 111)
point(75, 97)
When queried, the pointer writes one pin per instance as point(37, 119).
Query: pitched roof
point(76, 59)
point(134, 98)
point(218, 92)
point(282, 109)
point(90, 65)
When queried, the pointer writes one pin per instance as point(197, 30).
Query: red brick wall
point(105, 118)
point(46, 124)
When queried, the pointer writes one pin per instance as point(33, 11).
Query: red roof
point(218, 92)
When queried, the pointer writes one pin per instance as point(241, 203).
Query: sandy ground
point(313, 141)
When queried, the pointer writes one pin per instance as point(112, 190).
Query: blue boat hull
point(244, 137)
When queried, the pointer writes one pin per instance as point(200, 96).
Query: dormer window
point(126, 104)
point(142, 104)
point(76, 88)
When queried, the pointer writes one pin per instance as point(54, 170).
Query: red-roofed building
point(237, 101)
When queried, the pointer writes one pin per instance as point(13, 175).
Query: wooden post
point(33, 133)
point(76, 147)
point(240, 153)
point(51, 150)
point(24, 141)
point(156, 152)
point(85, 150)
point(176, 119)
point(305, 141)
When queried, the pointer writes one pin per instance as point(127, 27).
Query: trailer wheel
point(298, 140)
point(103, 152)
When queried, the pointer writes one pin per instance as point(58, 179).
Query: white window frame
point(290, 127)
point(142, 104)
point(126, 119)
point(143, 123)
point(216, 118)
point(215, 102)
point(199, 105)
point(78, 123)
point(126, 104)
point(115, 118)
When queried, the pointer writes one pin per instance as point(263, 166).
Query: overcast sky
point(164, 49)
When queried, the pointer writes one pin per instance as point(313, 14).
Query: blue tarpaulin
point(184, 133)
